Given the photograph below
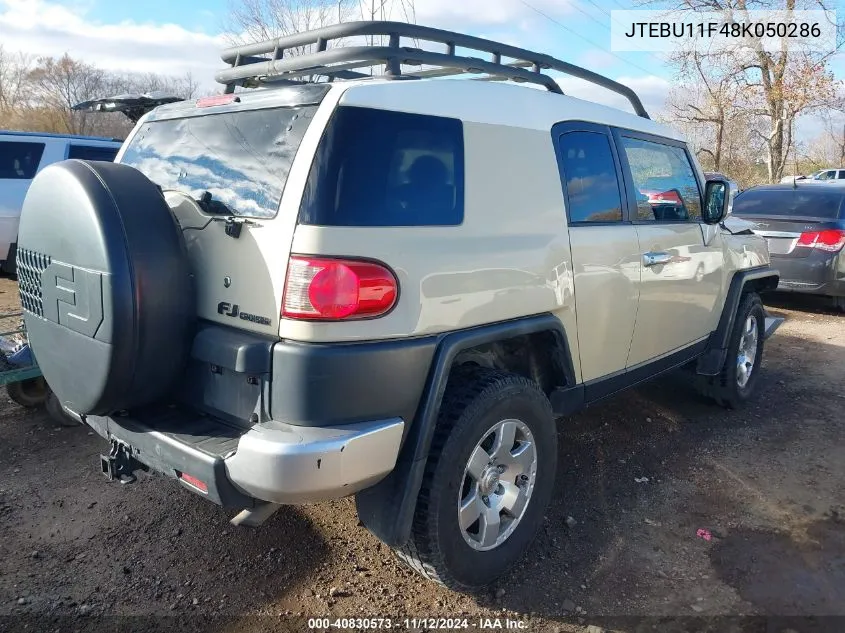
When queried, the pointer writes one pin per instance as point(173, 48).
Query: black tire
point(10, 266)
point(839, 303)
point(725, 388)
point(474, 401)
point(56, 413)
point(30, 393)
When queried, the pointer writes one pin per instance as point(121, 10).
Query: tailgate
point(783, 236)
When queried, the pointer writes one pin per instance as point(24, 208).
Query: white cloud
point(41, 27)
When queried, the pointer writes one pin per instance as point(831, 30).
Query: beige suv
point(387, 286)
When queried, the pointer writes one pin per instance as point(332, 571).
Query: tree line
point(740, 107)
point(38, 93)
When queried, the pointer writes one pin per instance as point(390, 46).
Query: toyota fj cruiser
point(389, 287)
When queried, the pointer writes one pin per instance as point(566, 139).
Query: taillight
point(334, 289)
point(831, 240)
point(193, 482)
point(216, 100)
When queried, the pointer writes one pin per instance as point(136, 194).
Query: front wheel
point(737, 381)
point(488, 480)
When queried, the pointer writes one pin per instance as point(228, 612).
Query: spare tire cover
point(105, 286)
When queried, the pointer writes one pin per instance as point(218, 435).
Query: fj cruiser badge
point(226, 308)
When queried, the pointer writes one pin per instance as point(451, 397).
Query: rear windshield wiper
point(211, 206)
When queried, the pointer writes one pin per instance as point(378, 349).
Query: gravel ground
point(639, 477)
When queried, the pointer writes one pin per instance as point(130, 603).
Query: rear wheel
point(488, 480)
point(737, 381)
point(30, 393)
point(839, 303)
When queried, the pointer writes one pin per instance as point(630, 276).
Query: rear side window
point(19, 161)
point(802, 202)
point(89, 152)
point(589, 171)
point(381, 168)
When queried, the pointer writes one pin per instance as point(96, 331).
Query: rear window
point(90, 152)
point(242, 158)
point(381, 168)
point(819, 203)
point(19, 161)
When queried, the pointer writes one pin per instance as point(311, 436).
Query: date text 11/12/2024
point(357, 624)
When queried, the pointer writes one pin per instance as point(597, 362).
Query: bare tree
point(59, 84)
point(707, 97)
point(258, 20)
point(778, 86)
point(14, 69)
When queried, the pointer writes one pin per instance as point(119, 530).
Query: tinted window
point(816, 203)
point(665, 183)
point(242, 158)
point(19, 161)
point(89, 152)
point(590, 175)
point(380, 168)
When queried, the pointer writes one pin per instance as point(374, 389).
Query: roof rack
point(250, 65)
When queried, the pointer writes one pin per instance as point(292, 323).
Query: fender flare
point(387, 508)
point(757, 279)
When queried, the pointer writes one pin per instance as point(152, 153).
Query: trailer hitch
point(119, 463)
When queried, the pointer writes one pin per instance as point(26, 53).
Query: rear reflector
point(831, 240)
point(207, 102)
point(336, 289)
point(193, 482)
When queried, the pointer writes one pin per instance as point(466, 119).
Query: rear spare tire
point(105, 286)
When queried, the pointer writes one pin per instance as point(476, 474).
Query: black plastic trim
point(342, 383)
point(607, 386)
point(763, 278)
point(387, 509)
point(235, 349)
point(167, 455)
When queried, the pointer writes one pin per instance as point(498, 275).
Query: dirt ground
point(639, 477)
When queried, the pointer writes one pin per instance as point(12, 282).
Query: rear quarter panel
point(510, 258)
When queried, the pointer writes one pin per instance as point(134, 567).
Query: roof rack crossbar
point(250, 64)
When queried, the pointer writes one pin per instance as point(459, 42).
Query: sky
point(177, 36)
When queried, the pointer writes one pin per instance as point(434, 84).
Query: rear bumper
point(258, 418)
point(818, 273)
point(278, 463)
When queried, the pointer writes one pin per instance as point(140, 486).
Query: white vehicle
point(836, 176)
point(386, 286)
point(24, 154)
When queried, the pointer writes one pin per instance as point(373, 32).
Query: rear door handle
point(653, 259)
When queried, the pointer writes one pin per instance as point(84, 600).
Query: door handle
point(654, 259)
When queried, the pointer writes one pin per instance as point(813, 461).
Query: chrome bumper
point(296, 464)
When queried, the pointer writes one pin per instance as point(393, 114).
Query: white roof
point(495, 103)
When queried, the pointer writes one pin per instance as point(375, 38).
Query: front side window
point(384, 168)
point(589, 172)
point(664, 182)
point(19, 161)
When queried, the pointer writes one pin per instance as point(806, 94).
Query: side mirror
point(718, 200)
